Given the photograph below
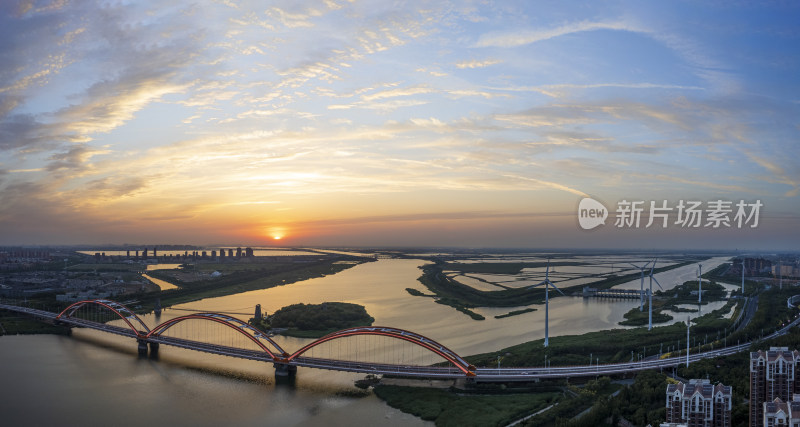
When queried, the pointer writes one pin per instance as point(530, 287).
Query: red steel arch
point(231, 322)
point(401, 334)
point(123, 312)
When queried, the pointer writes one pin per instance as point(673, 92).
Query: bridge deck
point(481, 374)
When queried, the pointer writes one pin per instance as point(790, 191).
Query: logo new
point(591, 213)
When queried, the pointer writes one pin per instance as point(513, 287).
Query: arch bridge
point(95, 314)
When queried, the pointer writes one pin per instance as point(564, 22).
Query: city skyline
point(339, 123)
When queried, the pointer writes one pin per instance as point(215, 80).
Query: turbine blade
point(554, 287)
point(659, 284)
point(538, 284)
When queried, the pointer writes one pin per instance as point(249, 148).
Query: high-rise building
point(780, 413)
point(772, 375)
point(248, 252)
point(699, 404)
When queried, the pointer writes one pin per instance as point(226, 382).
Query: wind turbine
point(700, 284)
point(650, 293)
point(742, 277)
point(547, 283)
point(641, 284)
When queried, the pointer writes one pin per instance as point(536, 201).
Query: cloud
point(409, 91)
point(477, 64)
point(73, 159)
point(780, 174)
point(523, 37)
point(424, 217)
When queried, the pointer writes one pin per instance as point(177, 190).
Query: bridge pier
point(284, 370)
point(143, 348)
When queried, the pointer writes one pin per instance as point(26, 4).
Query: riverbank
point(449, 291)
point(642, 401)
point(239, 279)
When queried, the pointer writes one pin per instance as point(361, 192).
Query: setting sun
point(276, 237)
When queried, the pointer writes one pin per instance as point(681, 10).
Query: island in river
point(314, 320)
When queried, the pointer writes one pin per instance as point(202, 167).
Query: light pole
point(688, 322)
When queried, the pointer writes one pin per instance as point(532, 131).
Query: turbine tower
point(700, 284)
point(547, 283)
point(742, 277)
point(650, 294)
point(641, 284)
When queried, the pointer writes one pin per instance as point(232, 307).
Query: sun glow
point(277, 237)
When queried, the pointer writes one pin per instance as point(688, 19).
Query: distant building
point(772, 375)
point(780, 413)
point(785, 270)
point(248, 252)
point(238, 252)
point(699, 404)
point(230, 253)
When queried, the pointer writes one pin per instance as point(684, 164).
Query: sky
point(403, 123)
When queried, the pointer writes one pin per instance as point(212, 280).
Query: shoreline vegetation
point(313, 320)
point(557, 402)
point(599, 401)
point(238, 278)
point(514, 313)
point(194, 283)
point(448, 291)
point(669, 300)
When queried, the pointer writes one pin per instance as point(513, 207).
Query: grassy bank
point(621, 345)
point(12, 323)
point(463, 297)
point(445, 408)
point(240, 280)
point(669, 300)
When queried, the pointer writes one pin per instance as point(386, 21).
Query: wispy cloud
point(528, 36)
point(477, 64)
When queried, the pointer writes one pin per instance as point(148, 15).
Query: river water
point(90, 374)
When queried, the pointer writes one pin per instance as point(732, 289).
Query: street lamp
point(688, 323)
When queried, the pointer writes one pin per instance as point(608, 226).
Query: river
point(92, 374)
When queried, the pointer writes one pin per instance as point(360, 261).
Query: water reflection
point(100, 384)
point(380, 287)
